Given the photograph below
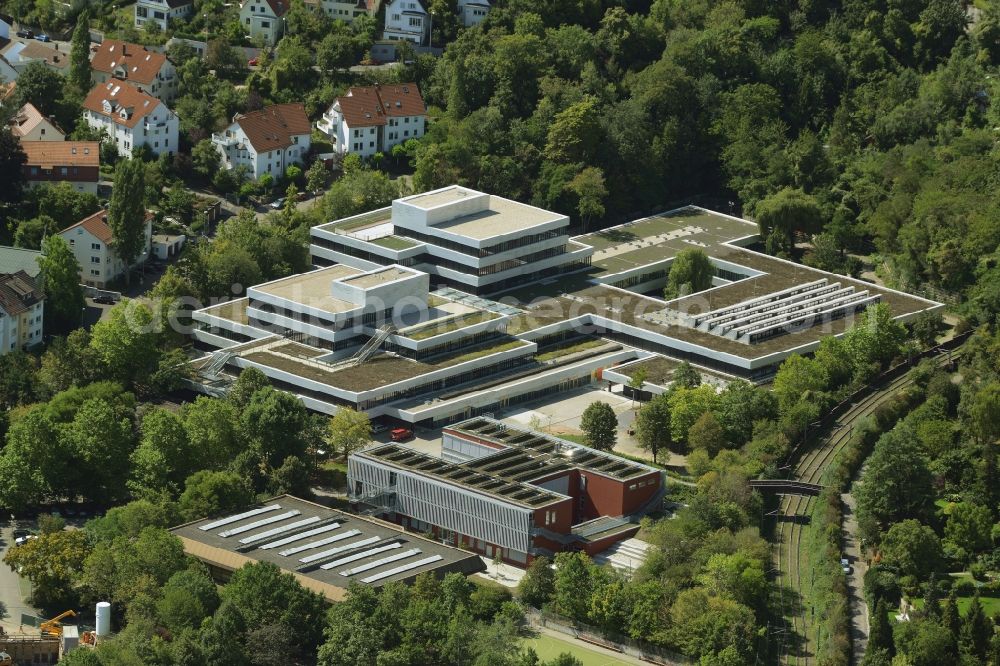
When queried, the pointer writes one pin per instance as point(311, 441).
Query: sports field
point(548, 648)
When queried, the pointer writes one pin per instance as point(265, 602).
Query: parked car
point(252, 62)
point(43, 38)
point(25, 34)
point(104, 299)
point(401, 434)
point(20, 541)
point(278, 204)
point(845, 565)
point(378, 427)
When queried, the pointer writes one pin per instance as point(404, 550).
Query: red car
point(252, 62)
point(401, 434)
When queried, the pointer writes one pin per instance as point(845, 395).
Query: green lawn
point(549, 648)
point(991, 605)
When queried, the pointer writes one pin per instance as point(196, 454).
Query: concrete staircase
point(625, 555)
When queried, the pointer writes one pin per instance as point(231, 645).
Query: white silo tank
point(103, 619)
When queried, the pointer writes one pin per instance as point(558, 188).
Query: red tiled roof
point(273, 126)
point(371, 106)
point(140, 65)
point(18, 292)
point(96, 224)
point(121, 96)
point(48, 154)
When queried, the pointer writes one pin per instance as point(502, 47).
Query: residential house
point(149, 71)
point(266, 141)
point(406, 20)
point(75, 162)
point(28, 124)
point(472, 12)
point(341, 10)
point(22, 306)
point(90, 239)
point(131, 117)
point(370, 120)
point(22, 54)
point(264, 18)
point(161, 12)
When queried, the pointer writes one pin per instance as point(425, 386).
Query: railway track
point(797, 648)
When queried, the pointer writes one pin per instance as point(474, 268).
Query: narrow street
point(10, 586)
point(855, 579)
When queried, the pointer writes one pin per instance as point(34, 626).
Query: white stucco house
point(131, 117)
point(264, 18)
point(472, 12)
point(161, 12)
point(22, 306)
point(406, 20)
point(343, 10)
point(28, 124)
point(146, 70)
point(91, 241)
point(370, 120)
point(266, 141)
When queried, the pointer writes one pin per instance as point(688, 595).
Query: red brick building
point(498, 488)
point(74, 162)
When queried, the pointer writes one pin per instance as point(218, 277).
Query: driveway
point(10, 586)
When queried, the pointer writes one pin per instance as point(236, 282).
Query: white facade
point(23, 330)
point(158, 129)
point(365, 141)
point(97, 260)
point(163, 86)
point(406, 20)
point(339, 10)
point(521, 244)
point(473, 12)
point(28, 124)
point(361, 130)
point(235, 148)
point(80, 186)
point(260, 19)
point(160, 12)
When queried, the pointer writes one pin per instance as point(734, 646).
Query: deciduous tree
point(126, 212)
point(60, 280)
point(349, 430)
point(652, 425)
point(690, 272)
point(600, 426)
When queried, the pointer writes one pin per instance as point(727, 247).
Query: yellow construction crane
point(53, 627)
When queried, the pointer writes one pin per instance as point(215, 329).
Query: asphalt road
point(10, 588)
point(855, 579)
